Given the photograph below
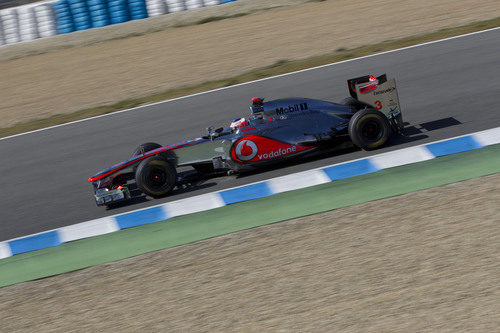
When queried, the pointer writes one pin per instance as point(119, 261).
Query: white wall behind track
point(156, 7)
point(10, 24)
point(28, 29)
point(45, 19)
point(29, 22)
point(175, 5)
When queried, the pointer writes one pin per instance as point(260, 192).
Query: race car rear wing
point(379, 93)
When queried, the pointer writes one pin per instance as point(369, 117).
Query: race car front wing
point(104, 196)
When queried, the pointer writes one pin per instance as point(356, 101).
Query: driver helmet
point(238, 123)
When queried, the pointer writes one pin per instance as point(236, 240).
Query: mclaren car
point(275, 131)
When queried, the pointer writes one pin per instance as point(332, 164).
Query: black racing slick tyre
point(369, 129)
point(145, 147)
point(155, 176)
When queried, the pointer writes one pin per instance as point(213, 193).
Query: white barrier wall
point(10, 24)
point(39, 20)
point(2, 39)
point(193, 4)
point(44, 15)
point(211, 2)
point(156, 7)
point(175, 5)
point(28, 29)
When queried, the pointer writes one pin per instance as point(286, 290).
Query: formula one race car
point(275, 131)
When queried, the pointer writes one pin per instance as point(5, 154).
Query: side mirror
point(210, 132)
point(213, 133)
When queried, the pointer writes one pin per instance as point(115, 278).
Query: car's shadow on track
point(417, 132)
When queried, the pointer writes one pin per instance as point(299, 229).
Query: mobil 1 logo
point(292, 108)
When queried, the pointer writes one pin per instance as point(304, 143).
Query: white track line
point(251, 82)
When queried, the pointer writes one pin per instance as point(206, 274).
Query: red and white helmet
point(238, 123)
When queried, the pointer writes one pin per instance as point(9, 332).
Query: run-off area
point(424, 261)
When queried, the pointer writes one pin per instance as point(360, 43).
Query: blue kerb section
point(351, 169)
point(141, 217)
point(453, 146)
point(35, 242)
point(249, 192)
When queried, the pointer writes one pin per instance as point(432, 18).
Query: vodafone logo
point(246, 150)
point(277, 153)
point(255, 148)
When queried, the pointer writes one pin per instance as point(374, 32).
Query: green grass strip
point(280, 67)
point(190, 228)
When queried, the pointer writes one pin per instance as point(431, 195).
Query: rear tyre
point(145, 147)
point(369, 129)
point(155, 176)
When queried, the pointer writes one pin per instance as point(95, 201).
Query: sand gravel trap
point(71, 79)
point(424, 262)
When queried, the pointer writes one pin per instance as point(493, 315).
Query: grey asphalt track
point(446, 89)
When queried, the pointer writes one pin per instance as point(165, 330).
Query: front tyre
point(369, 129)
point(145, 147)
point(155, 176)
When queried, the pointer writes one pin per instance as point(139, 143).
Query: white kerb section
point(488, 137)
point(88, 229)
point(194, 204)
point(401, 157)
point(5, 250)
point(298, 180)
